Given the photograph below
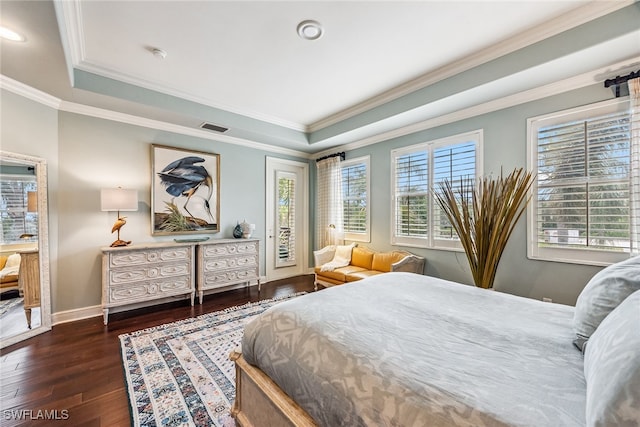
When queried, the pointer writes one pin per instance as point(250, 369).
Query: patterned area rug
point(179, 374)
point(7, 305)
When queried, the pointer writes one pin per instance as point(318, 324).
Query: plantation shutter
point(354, 197)
point(453, 163)
point(286, 218)
point(411, 194)
point(16, 220)
point(583, 183)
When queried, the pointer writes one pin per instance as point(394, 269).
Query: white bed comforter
point(401, 349)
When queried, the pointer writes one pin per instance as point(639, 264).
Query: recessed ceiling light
point(310, 30)
point(9, 34)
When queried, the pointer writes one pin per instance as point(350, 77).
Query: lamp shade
point(118, 199)
point(32, 201)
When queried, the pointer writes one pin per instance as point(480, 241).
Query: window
point(580, 211)
point(286, 218)
point(355, 199)
point(18, 209)
point(416, 172)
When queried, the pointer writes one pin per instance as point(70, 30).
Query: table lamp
point(118, 199)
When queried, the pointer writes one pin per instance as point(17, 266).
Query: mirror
point(25, 302)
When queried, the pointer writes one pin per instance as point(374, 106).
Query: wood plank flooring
point(74, 372)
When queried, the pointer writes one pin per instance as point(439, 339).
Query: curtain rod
point(341, 154)
point(618, 80)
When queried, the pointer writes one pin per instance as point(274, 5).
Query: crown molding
point(533, 35)
point(29, 92)
point(69, 16)
point(43, 98)
point(565, 85)
point(115, 116)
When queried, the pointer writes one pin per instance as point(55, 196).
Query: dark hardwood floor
point(74, 372)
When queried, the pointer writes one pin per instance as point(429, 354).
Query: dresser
point(146, 272)
point(29, 281)
point(226, 262)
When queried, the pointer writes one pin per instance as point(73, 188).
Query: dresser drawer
point(129, 258)
point(223, 263)
point(152, 289)
point(145, 272)
point(223, 278)
point(234, 248)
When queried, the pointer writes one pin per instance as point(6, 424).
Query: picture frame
point(185, 191)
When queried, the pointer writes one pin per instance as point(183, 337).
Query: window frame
point(22, 220)
point(430, 241)
point(584, 256)
point(366, 236)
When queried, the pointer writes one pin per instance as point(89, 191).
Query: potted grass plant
point(484, 216)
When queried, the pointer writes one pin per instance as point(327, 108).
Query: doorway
point(287, 213)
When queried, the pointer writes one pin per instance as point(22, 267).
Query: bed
point(402, 349)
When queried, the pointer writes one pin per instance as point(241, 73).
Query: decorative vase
point(247, 229)
point(237, 231)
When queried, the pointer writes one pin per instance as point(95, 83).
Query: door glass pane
point(286, 220)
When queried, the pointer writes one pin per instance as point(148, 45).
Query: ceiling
point(241, 64)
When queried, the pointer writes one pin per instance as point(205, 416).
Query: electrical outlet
point(545, 299)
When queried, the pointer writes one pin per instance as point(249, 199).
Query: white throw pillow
point(343, 253)
point(612, 367)
point(604, 292)
point(13, 261)
point(341, 258)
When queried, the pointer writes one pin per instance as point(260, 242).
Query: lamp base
point(119, 243)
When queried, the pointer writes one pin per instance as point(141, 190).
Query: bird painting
point(183, 177)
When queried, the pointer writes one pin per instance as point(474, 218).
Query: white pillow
point(341, 258)
point(604, 292)
point(343, 253)
point(13, 261)
point(612, 367)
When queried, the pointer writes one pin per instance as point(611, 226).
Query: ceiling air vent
point(215, 128)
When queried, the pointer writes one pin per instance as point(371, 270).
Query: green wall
point(85, 154)
point(504, 148)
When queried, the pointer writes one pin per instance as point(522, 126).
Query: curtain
point(634, 198)
point(329, 217)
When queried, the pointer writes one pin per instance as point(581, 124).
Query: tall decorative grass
point(175, 221)
point(484, 216)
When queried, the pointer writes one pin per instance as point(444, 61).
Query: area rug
point(7, 305)
point(179, 374)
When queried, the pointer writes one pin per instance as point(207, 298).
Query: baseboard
point(77, 314)
point(96, 310)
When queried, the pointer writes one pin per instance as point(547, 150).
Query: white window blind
point(581, 207)
point(453, 163)
point(16, 218)
point(411, 194)
point(416, 172)
point(286, 219)
point(355, 198)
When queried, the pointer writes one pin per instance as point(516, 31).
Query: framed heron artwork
point(185, 191)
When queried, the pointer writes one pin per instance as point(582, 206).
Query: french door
point(287, 213)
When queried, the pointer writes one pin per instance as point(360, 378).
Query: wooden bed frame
point(260, 402)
